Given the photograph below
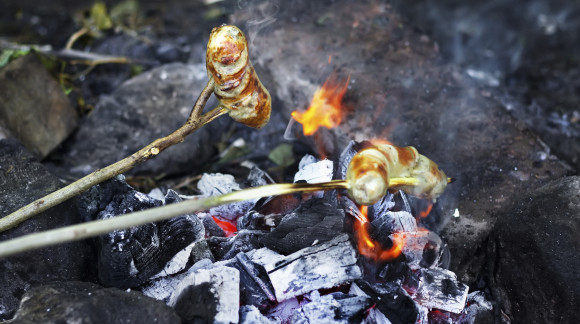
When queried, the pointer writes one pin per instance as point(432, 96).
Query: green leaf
point(282, 155)
point(99, 16)
point(9, 55)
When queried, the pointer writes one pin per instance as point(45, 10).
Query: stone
point(22, 180)
point(534, 251)
point(83, 302)
point(144, 108)
point(33, 107)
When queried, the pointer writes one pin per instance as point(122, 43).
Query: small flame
point(229, 228)
point(325, 108)
point(427, 211)
point(372, 250)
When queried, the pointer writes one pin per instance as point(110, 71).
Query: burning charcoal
point(162, 288)
point(390, 299)
point(322, 266)
point(255, 286)
point(393, 222)
point(350, 150)
point(129, 257)
point(212, 229)
point(376, 317)
point(313, 171)
point(250, 314)
point(227, 248)
point(315, 221)
point(413, 246)
point(399, 271)
point(208, 295)
point(479, 309)
point(440, 289)
point(253, 220)
point(215, 184)
point(432, 251)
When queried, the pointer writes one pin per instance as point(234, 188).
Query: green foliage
point(9, 55)
point(282, 155)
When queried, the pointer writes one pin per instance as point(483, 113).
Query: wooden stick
point(195, 121)
point(95, 228)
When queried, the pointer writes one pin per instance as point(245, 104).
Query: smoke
point(256, 17)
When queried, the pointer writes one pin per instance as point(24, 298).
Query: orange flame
point(427, 211)
point(370, 249)
point(325, 108)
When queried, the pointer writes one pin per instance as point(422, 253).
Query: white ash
point(264, 256)
point(403, 221)
point(423, 316)
point(319, 310)
point(162, 287)
point(321, 266)
point(439, 288)
point(375, 316)
point(282, 312)
point(313, 171)
point(214, 184)
point(250, 314)
point(477, 303)
point(177, 263)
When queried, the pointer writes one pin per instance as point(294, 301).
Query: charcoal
point(332, 308)
point(390, 299)
point(313, 171)
point(215, 184)
point(250, 314)
point(127, 258)
point(320, 310)
point(255, 286)
point(282, 312)
point(375, 316)
point(84, 302)
point(208, 295)
point(254, 220)
point(399, 271)
point(393, 222)
point(478, 310)
point(321, 266)
point(257, 177)
point(212, 229)
point(161, 288)
point(315, 221)
point(226, 248)
point(433, 251)
point(414, 245)
point(264, 256)
point(440, 289)
point(283, 204)
point(200, 251)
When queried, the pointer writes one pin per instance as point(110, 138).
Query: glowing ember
point(229, 228)
point(372, 250)
point(325, 108)
point(424, 213)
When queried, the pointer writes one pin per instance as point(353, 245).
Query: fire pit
point(353, 86)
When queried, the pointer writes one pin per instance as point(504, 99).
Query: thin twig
point(194, 121)
point(95, 228)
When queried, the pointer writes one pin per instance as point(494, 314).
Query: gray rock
point(33, 107)
point(83, 302)
point(147, 107)
point(22, 180)
point(534, 255)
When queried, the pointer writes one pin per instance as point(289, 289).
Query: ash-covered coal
point(317, 220)
point(128, 258)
